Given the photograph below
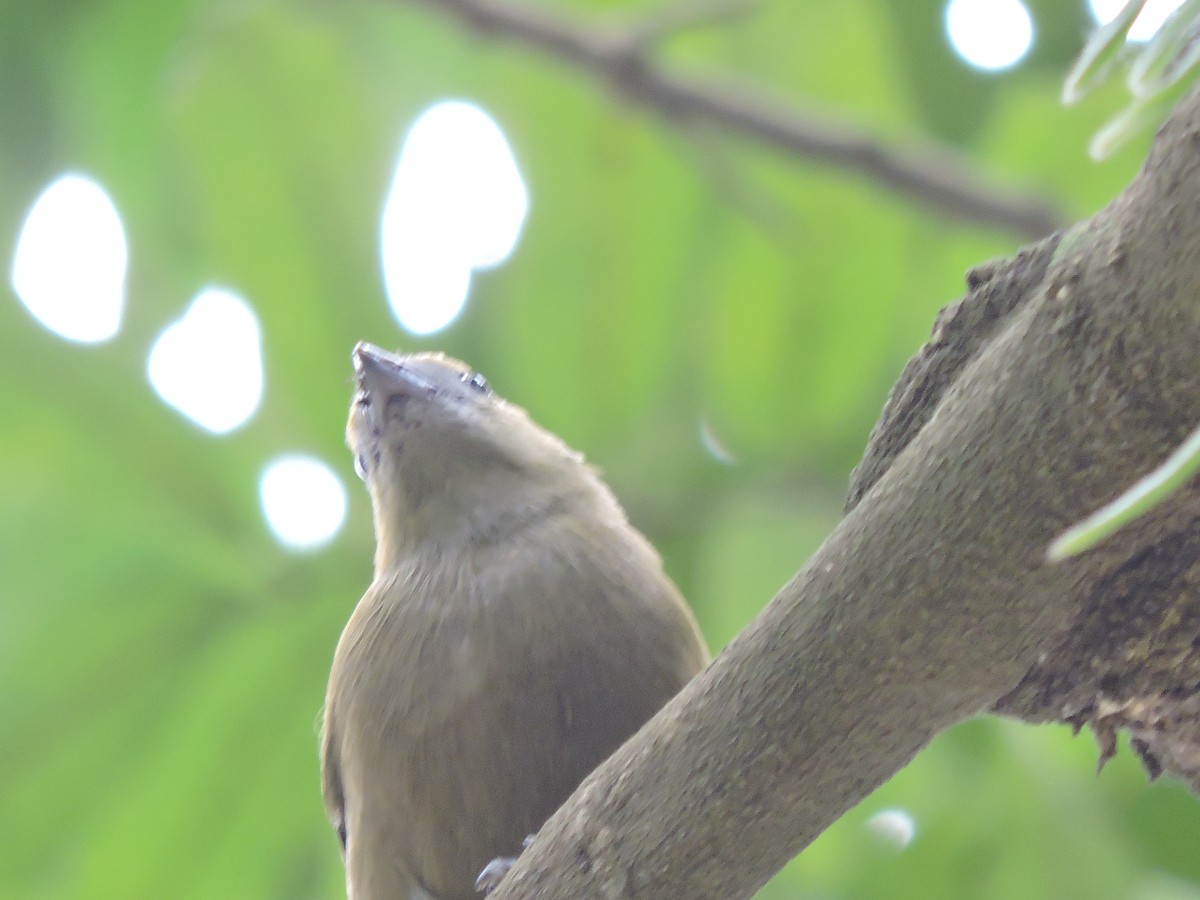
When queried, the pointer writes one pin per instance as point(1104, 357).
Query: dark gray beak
point(380, 373)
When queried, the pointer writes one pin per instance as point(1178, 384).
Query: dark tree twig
point(934, 175)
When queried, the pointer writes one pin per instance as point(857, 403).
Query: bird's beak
point(380, 373)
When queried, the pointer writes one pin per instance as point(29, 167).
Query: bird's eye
point(477, 381)
point(360, 466)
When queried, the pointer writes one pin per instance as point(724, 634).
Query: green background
point(162, 658)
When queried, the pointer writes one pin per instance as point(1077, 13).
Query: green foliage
point(162, 659)
point(1157, 74)
point(1101, 52)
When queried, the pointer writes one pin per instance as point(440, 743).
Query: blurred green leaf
point(1158, 73)
point(1169, 55)
point(1148, 493)
point(1100, 53)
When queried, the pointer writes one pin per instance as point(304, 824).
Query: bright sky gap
point(990, 35)
point(456, 204)
point(893, 826)
point(70, 259)
point(208, 363)
point(303, 501)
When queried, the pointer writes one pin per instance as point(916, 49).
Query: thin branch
point(936, 176)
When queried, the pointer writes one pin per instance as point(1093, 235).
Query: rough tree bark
point(1065, 374)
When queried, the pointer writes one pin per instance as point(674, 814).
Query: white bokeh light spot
point(208, 364)
point(893, 826)
point(427, 290)
point(1149, 20)
point(456, 204)
point(991, 35)
point(303, 501)
point(70, 259)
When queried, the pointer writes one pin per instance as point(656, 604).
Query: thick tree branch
point(935, 176)
point(1064, 375)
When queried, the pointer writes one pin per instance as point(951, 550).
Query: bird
point(516, 631)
